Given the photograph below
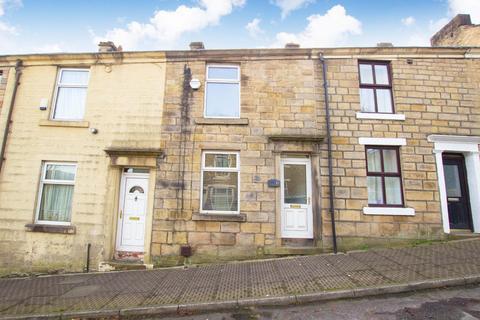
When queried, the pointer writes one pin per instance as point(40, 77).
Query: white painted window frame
point(59, 85)
point(213, 80)
point(44, 181)
point(468, 146)
point(210, 169)
point(386, 211)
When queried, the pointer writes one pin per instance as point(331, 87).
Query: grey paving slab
point(246, 282)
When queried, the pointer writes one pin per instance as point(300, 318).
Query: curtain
point(56, 203)
point(70, 103)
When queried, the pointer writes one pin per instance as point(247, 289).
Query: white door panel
point(133, 210)
point(297, 218)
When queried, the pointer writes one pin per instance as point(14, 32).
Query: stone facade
point(124, 103)
point(436, 96)
point(279, 96)
point(148, 116)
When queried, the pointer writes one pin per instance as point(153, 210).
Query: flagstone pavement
point(238, 281)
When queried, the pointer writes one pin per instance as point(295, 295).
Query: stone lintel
point(138, 152)
point(296, 138)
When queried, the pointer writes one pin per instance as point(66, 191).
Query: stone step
point(116, 265)
point(294, 251)
point(458, 234)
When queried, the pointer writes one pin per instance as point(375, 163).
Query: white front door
point(296, 195)
point(133, 211)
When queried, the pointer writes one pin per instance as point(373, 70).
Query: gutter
point(18, 72)
point(329, 151)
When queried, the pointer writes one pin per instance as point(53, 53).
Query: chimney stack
point(384, 45)
point(292, 45)
point(108, 46)
point(197, 45)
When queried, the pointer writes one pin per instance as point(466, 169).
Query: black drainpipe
point(329, 148)
point(18, 72)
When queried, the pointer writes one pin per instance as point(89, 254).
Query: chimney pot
point(197, 45)
point(108, 46)
point(292, 45)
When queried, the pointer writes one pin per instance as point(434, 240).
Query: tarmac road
point(459, 303)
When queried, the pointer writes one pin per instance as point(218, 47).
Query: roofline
point(226, 54)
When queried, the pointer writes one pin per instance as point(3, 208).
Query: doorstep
point(120, 265)
point(457, 234)
point(292, 251)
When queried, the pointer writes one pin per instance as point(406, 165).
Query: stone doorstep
point(294, 251)
point(458, 234)
point(124, 260)
point(115, 265)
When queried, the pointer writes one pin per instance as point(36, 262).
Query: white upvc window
point(222, 91)
point(220, 181)
point(70, 94)
point(55, 193)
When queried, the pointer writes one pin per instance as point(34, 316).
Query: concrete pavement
point(225, 286)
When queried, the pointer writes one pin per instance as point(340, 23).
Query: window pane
point(70, 103)
point(366, 75)
point(222, 73)
point(223, 100)
point(220, 160)
point(367, 101)
point(374, 160)
point(56, 203)
point(381, 74)
point(393, 190)
point(75, 77)
point(220, 190)
point(452, 181)
point(384, 100)
point(375, 194)
point(60, 172)
point(390, 161)
point(295, 183)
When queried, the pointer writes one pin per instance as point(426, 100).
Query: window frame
point(208, 80)
point(44, 181)
point(216, 169)
point(58, 85)
point(374, 85)
point(384, 174)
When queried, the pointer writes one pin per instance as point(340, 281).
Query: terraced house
point(156, 157)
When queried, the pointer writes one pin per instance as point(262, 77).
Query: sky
point(41, 26)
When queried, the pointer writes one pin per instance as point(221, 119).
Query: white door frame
point(308, 170)
point(468, 146)
point(123, 183)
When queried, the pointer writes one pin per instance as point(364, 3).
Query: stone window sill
point(71, 124)
point(380, 116)
point(32, 227)
point(219, 217)
point(210, 121)
point(389, 211)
